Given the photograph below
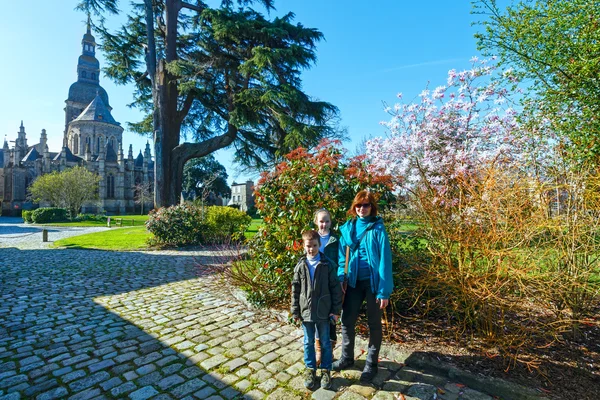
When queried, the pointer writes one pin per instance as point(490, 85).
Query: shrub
point(178, 225)
point(91, 217)
point(286, 199)
point(45, 215)
point(27, 216)
point(225, 224)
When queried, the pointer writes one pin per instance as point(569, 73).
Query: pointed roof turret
point(130, 153)
point(139, 160)
point(32, 155)
point(110, 153)
point(97, 111)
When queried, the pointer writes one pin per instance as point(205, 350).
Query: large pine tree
point(219, 77)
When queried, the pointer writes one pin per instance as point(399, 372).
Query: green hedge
point(26, 215)
point(91, 217)
point(190, 224)
point(49, 214)
point(176, 225)
point(225, 224)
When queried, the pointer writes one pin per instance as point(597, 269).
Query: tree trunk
point(166, 119)
point(186, 151)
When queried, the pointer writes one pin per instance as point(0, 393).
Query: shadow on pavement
point(91, 323)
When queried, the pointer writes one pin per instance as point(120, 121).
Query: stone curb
point(489, 385)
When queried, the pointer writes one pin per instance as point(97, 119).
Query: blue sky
point(370, 53)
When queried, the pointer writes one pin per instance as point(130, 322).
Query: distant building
point(242, 195)
point(92, 138)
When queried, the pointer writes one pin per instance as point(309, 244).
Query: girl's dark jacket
point(314, 302)
point(331, 249)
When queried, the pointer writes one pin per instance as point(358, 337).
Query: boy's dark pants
point(350, 310)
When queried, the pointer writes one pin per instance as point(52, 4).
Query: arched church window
point(110, 186)
point(83, 74)
point(76, 144)
point(93, 75)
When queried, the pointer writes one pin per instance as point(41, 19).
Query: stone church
point(92, 138)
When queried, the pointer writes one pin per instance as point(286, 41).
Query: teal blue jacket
point(379, 256)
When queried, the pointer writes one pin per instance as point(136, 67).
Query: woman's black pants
point(350, 310)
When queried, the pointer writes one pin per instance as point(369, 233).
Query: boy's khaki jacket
point(314, 302)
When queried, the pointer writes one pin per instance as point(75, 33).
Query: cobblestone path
point(78, 324)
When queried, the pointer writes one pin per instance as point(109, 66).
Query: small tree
point(143, 194)
point(204, 175)
point(286, 199)
point(68, 189)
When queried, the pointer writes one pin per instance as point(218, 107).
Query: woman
point(364, 239)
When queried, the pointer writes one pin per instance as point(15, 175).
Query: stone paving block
point(86, 394)
point(322, 394)
point(149, 379)
point(261, 375)
point(188, 387)
point(101, 365)
point(126, 357)
point(111, 383)
point(268, 385)
point(122, 389)
point(349, 395)
point(89, 381)
point(205, 392)
point(12, 381)
point(267, 358)
point(171, 369)
point(283, 394)
point(75, 360)
point(143, 393)
point(213, 362)
point(55, 393)
point(395, 385)
point(283, 377)
point(192, 372)
point(381, 395)
point(254, 394)
point(229, 393)
point(255, 365)
point(147, 358)
point(6, 374)
point(169, 381)
point(215, 379)
point(235, 364)
point(295, 369)
point(234, 352)
point(146, 369)
point(71, 376)
point(201, 347)
point(32, 391)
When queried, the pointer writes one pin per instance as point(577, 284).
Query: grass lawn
point(253, 228)
point(120, 239)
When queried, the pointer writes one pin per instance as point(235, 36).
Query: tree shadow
point(94, 323)
point(569, 382)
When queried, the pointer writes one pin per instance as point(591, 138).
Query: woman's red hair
point(362, 197)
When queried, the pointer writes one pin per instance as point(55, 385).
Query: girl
point(329, 247)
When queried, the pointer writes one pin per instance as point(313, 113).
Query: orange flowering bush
point(287, 198)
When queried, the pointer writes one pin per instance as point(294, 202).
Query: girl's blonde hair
point(319, 211)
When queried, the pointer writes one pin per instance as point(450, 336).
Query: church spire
point(88, 67)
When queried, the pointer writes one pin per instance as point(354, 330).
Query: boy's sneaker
point(342, 363)
point(368, 373)
point(310, 378)
point(325, 379)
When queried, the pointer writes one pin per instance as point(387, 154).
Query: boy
point(316, 297)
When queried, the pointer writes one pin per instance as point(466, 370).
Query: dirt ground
point(565, 369)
